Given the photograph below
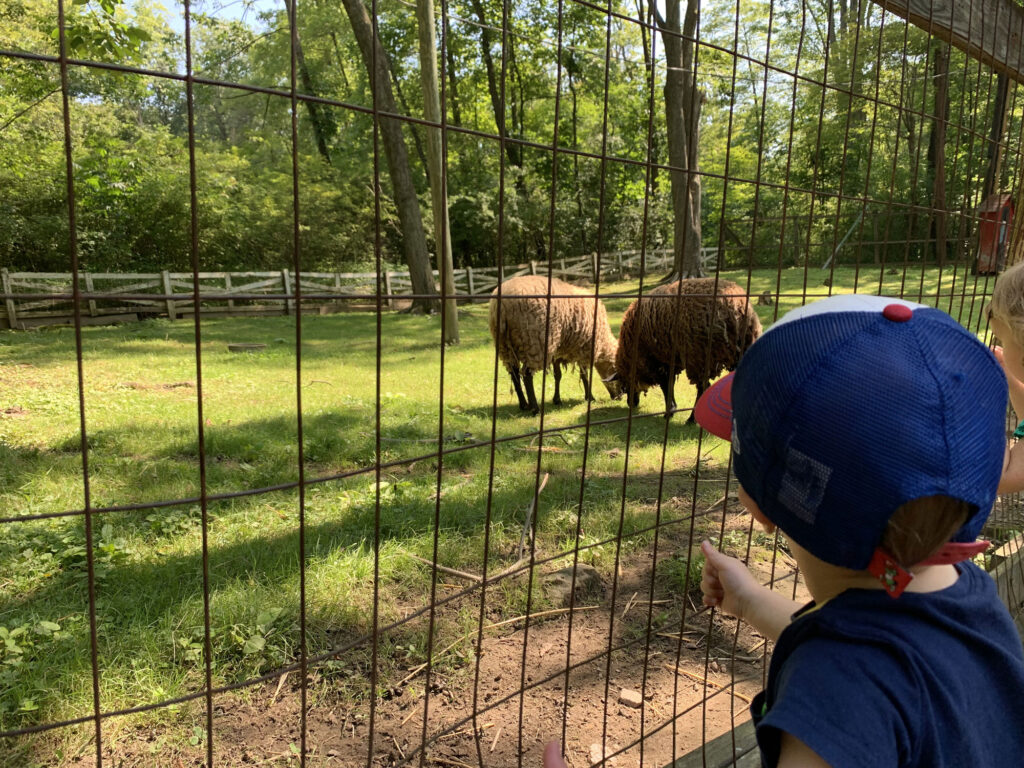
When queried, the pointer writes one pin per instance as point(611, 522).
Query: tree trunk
point(414, 241)
point(514, 151)
point(995, 137)
point(435, 161)
point(682, 112)
point(937, 153)
point(323, 127)
point(453, 77)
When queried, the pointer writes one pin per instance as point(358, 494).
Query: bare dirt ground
point(690, 690)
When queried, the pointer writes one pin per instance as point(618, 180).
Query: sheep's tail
point(500, 332)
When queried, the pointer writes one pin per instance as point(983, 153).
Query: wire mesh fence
point(348, 545)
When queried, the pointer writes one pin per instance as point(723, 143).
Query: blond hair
point(918, 528)
point(1007, 302)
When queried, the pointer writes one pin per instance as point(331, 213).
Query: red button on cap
point(898, 313)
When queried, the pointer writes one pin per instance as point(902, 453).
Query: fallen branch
point(529, 517)
point(447, 761)
point(278, 690)
point(450, 571)
point(728, 688)
point(468, 635)
point(495, 742)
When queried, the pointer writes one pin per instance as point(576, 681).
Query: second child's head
point(866, 427)
point(1006, 317)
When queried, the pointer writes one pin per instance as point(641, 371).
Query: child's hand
point(726, 582)
point(553, 755)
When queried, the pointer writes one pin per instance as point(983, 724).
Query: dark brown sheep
point(707, 323)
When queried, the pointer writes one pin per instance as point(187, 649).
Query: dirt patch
point(641, 699)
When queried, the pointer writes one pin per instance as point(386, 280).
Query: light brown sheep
point(707, 324)
point(519, 334)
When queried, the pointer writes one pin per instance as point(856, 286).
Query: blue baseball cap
point(851, 406)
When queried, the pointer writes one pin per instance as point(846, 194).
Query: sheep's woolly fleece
point(709, 323)
point(524, 311)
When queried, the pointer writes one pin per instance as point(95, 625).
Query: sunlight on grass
point(141, 396)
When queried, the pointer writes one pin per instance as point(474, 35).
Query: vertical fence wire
point(200, 420)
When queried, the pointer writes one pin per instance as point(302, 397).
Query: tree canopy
point(817, 124)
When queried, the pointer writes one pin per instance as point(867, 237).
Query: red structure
point(995, 217)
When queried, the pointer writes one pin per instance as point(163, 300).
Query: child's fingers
point(553, 755)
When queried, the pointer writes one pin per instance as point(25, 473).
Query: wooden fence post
point(387, 288)
point(533, 267)
point(469, 281)
point(88, 289)
point(618, 264)
point(287, 283)
point(561, 266)
point(227, 289)
point(11, 315)
point(171, 313)
point(593, 265)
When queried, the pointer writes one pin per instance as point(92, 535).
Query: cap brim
point(713, 410)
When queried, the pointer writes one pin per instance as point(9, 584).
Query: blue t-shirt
point(929, 680)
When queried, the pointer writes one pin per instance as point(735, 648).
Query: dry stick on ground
point(468, 635)
point(522, 540)
point(712, 683)
point(495, 742)
point(398, 747)
point(629, 604)
point(529, 517)
point(278, 690)
point(448, 761)
point(450, 571)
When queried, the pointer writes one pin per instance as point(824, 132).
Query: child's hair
point(918, 528)
point(1007, 302)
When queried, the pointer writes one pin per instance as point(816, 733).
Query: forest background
point(892, 145)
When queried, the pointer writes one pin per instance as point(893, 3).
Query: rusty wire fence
point(825, 148)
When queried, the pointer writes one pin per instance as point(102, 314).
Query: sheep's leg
point(513, 373)
point(667, 384)
point(586, 385)
point(530, 396)
point(558, 381)
point(701, 386)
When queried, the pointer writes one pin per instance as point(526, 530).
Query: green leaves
point(95, 31)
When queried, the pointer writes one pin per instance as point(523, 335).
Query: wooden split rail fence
point(33, 299)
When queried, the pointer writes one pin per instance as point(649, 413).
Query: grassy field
point(140, 395)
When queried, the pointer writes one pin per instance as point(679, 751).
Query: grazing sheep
point(708, 332)
point(519, 334)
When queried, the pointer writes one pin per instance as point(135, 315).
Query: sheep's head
point(604, 362)
point(630, 386)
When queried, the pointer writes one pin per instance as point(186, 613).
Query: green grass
point(140, 394)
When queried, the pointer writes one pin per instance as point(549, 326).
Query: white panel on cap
point(846, 302)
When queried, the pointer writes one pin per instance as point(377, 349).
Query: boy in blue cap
point(870, 431)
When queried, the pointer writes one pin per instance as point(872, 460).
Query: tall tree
point(414, 240)
point(683, 102)
point(435, 160)
point(937, 153)
point(319, 117)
